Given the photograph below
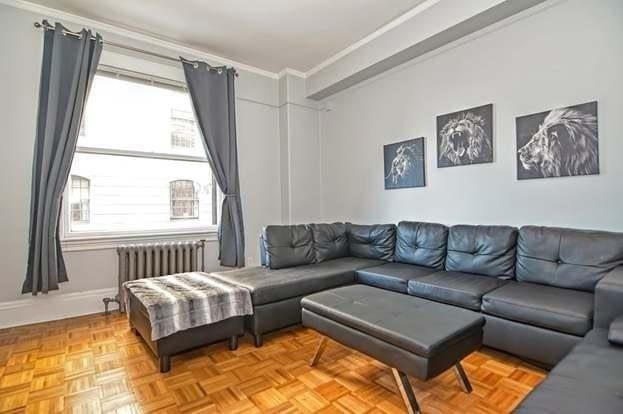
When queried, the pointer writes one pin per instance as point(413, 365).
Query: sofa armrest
point(609, 298)
point(615, 334)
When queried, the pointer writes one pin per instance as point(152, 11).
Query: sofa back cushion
point(485, 250)
point(330, 241)
point(375, 241)
point(422, 244)
point(287, 246)
point(567, 258)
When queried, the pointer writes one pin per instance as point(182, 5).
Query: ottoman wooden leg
point(462, 378)
point(233, 342)
point(258, 339)
point(404, 386)
point(165, 363)
point(321, 346)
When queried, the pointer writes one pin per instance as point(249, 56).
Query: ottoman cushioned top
point(416, 325)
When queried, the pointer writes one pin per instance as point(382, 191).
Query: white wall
point(300, 152)
point(565, 54)
point(93, 273)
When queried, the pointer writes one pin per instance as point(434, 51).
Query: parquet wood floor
point(95, 364)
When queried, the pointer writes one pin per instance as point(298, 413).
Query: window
point(184, 200)
point(147, 173)
point(79, 199)
point(183, 128)
point(82, 132)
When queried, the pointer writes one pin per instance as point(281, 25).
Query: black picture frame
point(465, 137)
point(405, 164)
point(561, 142)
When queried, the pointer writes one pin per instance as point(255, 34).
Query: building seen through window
point(184, 129)
point(80, 197)
point(184, 199)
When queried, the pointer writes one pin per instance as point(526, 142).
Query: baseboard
point(44, 308)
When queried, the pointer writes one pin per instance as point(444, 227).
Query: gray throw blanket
point(187, 300)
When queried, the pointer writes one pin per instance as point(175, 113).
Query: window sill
point(112, 241)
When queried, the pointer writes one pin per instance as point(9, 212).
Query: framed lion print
point(404, 164)
point(561, 142)
point(465, 137)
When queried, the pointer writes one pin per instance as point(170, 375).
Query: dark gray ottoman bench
point(182, 341)
point(412, 335)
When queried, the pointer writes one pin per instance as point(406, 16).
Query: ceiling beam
point(437, 24)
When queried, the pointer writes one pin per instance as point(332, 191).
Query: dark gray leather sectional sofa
point(542, 290)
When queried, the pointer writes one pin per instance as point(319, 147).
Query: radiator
point(137, 261)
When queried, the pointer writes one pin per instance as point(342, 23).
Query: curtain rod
point(47, 26)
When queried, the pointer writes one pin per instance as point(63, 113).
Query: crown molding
point(197, 53)
point(182, 49)
point(135, 35)
point(369, 38)
point(292, 72)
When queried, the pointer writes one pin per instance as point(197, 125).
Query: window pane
point(134, 194)
point(126, 115)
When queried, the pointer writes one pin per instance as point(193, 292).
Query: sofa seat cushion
point(454, 288)
point(587, 380)
point(563, 310)
point(272, 285)
point(392, 276)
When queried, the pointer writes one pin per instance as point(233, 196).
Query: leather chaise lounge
point(299, 260)
point(548, 295)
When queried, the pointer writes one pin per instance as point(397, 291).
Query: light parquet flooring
point(95, 364)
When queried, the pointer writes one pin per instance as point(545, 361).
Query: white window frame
point(89, 240)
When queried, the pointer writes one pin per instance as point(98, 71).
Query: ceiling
point(268, 34)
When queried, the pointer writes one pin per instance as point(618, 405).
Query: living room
point(365, 206)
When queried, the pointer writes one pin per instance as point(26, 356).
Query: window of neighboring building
point(80, 196)
point(184, 129)
point(184, 200)
point(143, 155)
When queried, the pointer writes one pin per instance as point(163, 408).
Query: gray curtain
point(213, 98)
point(67, 71)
